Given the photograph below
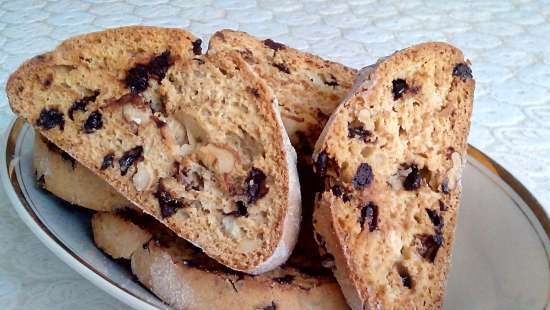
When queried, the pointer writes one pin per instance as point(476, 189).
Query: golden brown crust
point(392, 155)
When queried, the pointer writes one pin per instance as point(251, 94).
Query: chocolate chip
point(282, 67)
point(321, 164)
point(286, 279)
point(399, 87)
point(50, 118)
point(168, 205)
point(332, 82)
point(41, 181)
point(137, 79)
point(241, 210)
point(255, 187)
point(359, 132)
point(273, 306)
point(338, 191)
point(463, 71)
point(158, 66)
point(442, 206)
point(429, 245)
point(274, 45)
point(107, 161)
point(369, 215)
point(197, 49)
point(94, 122)
point(413, 180)
point(80, 105)
point(363, 176)
point(129, 158)
point(437, 220)
point(405, 276)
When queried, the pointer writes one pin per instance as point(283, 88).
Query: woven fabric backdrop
point(508, 43)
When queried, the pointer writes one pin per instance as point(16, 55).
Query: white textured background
point(508, 43)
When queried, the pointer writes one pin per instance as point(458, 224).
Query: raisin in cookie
point(390, 161)
point(194, 140)
point(185, 278)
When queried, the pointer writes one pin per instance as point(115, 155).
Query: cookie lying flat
point(60, 174)
point(183, 136)
point(391, 158)
point(185, 278)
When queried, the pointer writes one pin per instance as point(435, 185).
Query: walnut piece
point(138, 115)
point(144, 178)
point(219, 158)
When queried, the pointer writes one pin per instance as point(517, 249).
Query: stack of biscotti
point(325, 95)
point(176, 271)
point(194, 140)
point(390, 160)
point(202, 143)
point(185, 135)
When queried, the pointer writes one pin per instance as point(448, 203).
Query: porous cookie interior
point(231, 183)
point(194, 140)
point(391, 160)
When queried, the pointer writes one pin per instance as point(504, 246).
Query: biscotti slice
point(198, 143)
point(308, 87)
point(390, 160)
point(185, 278)
point(57, 172)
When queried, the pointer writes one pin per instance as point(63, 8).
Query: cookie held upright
point(390, 161)
point(180, 134)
